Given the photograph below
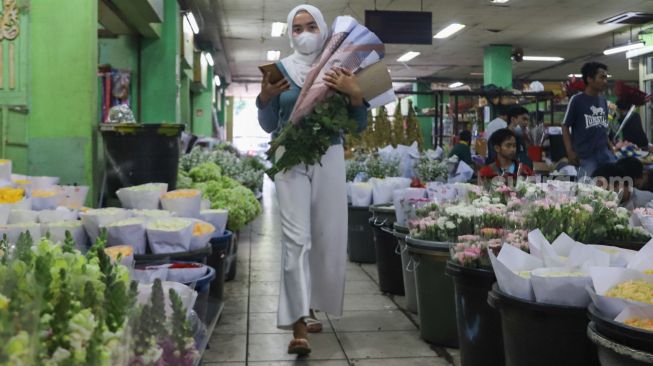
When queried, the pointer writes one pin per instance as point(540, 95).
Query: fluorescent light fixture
point(623, 48)
point(499, 1)
point(278, 29)
point(543, 58)
point(449, 30)
point(209, 58)
point(273, 55)
point(476, 74)
point(455, 85)
point(575, 75)
point(217, 81)
point(193, 23)
point(408, 56)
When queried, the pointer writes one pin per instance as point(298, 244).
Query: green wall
point(423, 102)
point(497, 65)
point(63, 109)
point(203, 108)
point(160, 65)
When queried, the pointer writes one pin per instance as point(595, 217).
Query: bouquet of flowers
point(431, 170)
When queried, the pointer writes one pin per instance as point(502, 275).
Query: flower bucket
point(400, 233)
point(611, 352)
point(435, 292)
point(537, 334)
point(360, 239)
point(479, 325)
point(388, 256)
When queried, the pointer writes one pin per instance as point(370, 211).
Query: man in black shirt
point(633, 130)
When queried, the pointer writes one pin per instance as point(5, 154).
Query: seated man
point(634, 169)
point(612, 176)
point(462, 149)
point(504, 144)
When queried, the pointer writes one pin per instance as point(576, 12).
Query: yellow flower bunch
point(646, 324)
point(123, 250)
point(4, 161)
point(42, 193)
point(22, 182)
point(181, 193)
point(635, 290)
point(202, 228)
point(11, 195)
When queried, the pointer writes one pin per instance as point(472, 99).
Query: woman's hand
point(270, 90)
point(345, 82)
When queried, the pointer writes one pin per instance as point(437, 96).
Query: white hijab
point(298, 64)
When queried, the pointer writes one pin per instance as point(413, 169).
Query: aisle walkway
point(374, 330)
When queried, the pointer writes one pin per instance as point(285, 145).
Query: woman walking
point(312, 199)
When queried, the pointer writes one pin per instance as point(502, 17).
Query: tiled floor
point(374, 330)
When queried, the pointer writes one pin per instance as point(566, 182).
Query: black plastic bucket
point(435, 292)
point(140, 153)
point(479, 325)
point(537, 334)
point(388, 256)
point(217, 260)
point(612, 353)
point(360, 239)
point(400, 233)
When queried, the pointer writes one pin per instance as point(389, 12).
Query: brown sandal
point(313, 325)
point(299, 347)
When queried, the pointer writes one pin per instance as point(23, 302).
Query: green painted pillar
point(647, 38)
point(161, 70)
point(422, 102)
point(497, 65)
point(203, 107)
point(62, 121)
point(185, 101)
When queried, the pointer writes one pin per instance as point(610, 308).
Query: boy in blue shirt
point(585, 130)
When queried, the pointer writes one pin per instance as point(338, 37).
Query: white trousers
point(313, 207)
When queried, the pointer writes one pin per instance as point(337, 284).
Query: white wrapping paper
point(43, 182)
point(206, 205)
point(162, 241)
point(506, 266)
point(400, 199)
point(5, 209)
point(46, 203)
point(73, 196)
point(23, 216)
point(58, 230)
point(183, 207)
point(630, 312)
point(151, 214)
point(361, 194)
point(201, 241)
point(5, 170)
point(382, 189)
point(95, 220)
point(186, 275)
point(218, 218)
point(619, 257)
point(128, 232)
point(585, 256)
point(187, 294)
point(58, 214)
point(567, 290)
point(145, 197)
point(643, 260)
point(24, 204)
point(149, 274)
point(605, 278)
point(14, 231)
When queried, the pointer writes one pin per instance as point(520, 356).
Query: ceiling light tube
point(193, 23)
point(273, 55)
point(278, 29)
point(623, 48)
point(449, 30)
point(499, 1)
point(543, 58)
point(217, 81)
point(575, 75)
point(455, 85)
point(408, 56)
point(209, 58)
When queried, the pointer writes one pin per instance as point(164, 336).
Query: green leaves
point(306, 142)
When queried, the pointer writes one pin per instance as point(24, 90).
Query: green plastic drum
point(360, 239)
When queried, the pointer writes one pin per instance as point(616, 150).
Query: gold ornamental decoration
point(9, 23)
